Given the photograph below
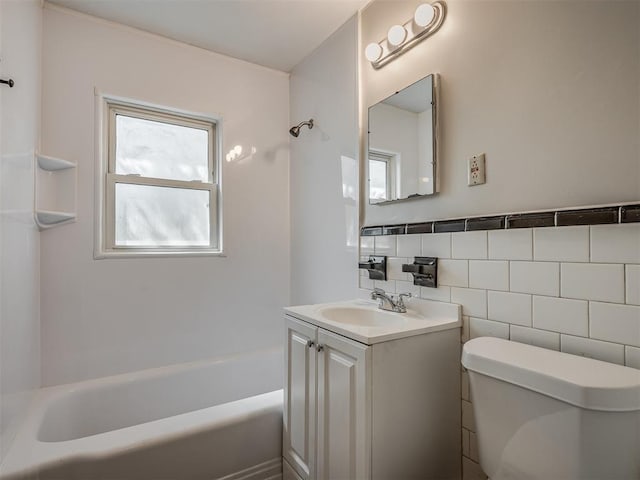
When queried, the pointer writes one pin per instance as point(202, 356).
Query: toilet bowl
point(547, 415)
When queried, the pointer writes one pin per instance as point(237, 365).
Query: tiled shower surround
point(573, 288)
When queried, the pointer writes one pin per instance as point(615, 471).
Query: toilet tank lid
point(584, 382)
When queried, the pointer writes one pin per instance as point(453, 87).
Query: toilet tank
point(542, 414)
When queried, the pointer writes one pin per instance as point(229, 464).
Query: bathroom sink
point(363, 321)
point(364, 317)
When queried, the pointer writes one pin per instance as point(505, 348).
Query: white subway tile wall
point(489, 274)
point(561, 315)
point(466, 448)
point(436, 245)
point(386, 245)
point(615, 243)
point(464, 381)
point(468, 419)
point(516, 244)
point(440, 294)
point(574, 289)
point(632, 284)
point(453, 273)
point(563, 244)
point(539, 278)
point(592, 281)
point(409, 245)
point(510, 307)
point(606, 351)
point(632, 357)
point(469, 245)
point(474, 302)
point(479, 327)
point(394, 268)
point(615, 323)
point(533, 336)
point(367, 245)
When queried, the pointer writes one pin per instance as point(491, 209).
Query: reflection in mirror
point(402, 143)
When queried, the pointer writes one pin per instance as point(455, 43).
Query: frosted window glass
point(378, 188)
point(150, 216)
point(161, 150)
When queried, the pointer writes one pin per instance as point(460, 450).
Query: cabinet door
point(299, 445)
point(343, 408)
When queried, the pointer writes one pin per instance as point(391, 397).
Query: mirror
point(402, 153)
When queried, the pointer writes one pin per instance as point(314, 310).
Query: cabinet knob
point(310, 343)
point(320, 348)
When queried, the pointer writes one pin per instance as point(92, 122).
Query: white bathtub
point(203, 420)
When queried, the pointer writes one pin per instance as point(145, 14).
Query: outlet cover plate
point(476, 170)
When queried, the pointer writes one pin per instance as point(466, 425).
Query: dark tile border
point(394, 230)
point(449, 226)
point(594, 216)
point(370, 231)
point(420, 228)
point(485, 223)
point(630, 213)
point(530, 220)
point(558, 218)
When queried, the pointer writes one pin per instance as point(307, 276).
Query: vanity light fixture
point(426, 21)
point(396, 35)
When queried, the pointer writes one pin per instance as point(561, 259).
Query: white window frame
point(390, 159)
point(106, 179)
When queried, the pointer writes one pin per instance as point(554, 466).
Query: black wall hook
point(9, 82)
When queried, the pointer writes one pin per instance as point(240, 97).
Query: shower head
point(295, 131)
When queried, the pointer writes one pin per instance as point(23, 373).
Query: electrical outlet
point(476, 170)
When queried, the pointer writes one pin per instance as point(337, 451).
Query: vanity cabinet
point(383, 411)
point(325, 403)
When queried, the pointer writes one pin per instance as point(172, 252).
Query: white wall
point(20, 45)
point(101, 317)
point(550, 91)
point(324, 172)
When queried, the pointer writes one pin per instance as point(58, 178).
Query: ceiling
point(274, 33)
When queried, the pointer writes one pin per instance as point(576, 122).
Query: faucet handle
point(378, 291)
point(400, 298)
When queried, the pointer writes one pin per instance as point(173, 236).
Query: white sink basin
point(363, 321)
point(364, 317)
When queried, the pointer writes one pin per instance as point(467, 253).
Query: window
point(161, 182)
point(381, 176)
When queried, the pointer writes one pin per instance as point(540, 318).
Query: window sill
point(157, 254)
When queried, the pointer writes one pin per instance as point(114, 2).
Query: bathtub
point(218, 419)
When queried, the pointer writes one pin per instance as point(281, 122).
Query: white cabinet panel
point(300, 397)
point(343, 447)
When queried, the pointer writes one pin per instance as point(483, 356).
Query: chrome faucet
point(387, 302)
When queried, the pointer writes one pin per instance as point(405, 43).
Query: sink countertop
point(423, 316)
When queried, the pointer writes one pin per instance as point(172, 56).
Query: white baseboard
point(269, 470)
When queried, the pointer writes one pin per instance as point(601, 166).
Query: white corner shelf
point(48, 219)
point(52, 164)
point(55, 191)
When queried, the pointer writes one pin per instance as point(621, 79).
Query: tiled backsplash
point(572, 288)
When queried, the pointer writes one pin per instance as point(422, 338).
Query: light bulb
point(373, 52)
point(396, 35)
point(424, 15)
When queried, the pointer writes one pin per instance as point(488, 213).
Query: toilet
point(542, 414)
